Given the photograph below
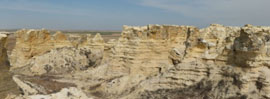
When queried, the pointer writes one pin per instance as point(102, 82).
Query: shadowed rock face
point(3, 51)
point(154, 61)
point(6, 83)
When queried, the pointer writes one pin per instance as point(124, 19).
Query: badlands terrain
point(147, 62)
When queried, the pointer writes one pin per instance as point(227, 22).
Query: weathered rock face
point(154, 61)
point(40, 49)
point(252, 42)
point(226, 62)
point(6, 84)
point(61, 61)
point(3, 52)
point(30, 43)
point(66, 93)
point(145, 50)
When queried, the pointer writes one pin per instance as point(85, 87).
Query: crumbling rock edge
point(154, 61)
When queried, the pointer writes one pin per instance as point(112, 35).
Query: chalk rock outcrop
point(30, 43)
point(66, 93)
point(61, 61)
point(145, 50)
point(150, 62)
point(140, 53)
point(213, 69)
point(40, 49)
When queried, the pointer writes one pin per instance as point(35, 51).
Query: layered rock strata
point(154, 61)
point(39, 52)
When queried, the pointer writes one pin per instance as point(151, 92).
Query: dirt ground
point(112, 36)
point(7, 85)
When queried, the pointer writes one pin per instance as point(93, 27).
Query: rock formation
point(6, 84)
point(220, 64)
point(149, 62)
point(66, 93)
point(60, 61)
point(3, 51)
point(39, 51)
point(30, 43)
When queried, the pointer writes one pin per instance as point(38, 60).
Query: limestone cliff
point(30, 43)
point(36, 47)
point(154, 61)
point(224, 62)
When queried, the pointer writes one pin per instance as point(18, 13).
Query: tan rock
point(66, 93)
point(3, 51)
point(98, 39)
point(7, 85)
point(61, 61)
point(158, 61)
point(30, 43)
point(25, 86)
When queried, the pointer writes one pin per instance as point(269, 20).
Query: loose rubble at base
point(148, 62)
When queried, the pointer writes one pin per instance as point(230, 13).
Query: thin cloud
point(235, 12)
point(41, 7)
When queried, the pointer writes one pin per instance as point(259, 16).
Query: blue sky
point(112, 14)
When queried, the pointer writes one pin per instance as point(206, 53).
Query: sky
point(113, 14)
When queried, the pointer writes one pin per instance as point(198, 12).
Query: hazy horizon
point(112, 15)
